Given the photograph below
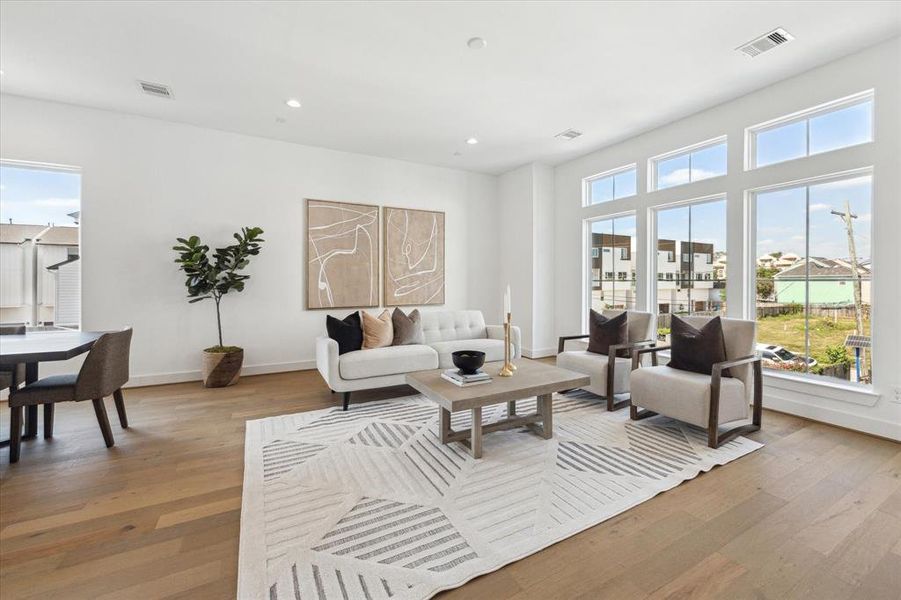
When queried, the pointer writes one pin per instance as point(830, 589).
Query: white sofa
point(444, 332)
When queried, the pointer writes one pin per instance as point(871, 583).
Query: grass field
point(788, 331)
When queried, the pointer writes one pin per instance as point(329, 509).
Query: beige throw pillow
point(377, 332)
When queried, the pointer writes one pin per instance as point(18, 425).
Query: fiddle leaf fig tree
point(213, 277)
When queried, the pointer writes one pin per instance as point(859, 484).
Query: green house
point(831, 282)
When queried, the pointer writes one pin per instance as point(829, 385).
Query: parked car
point(779, 355)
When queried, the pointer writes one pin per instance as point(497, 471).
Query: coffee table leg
point(476, 439)
point(444, 426)
point(511, 408)
point(546, 409)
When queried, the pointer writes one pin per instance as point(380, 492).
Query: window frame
point(587, 279)
point(654, 300)
point(685, 150)
point(749, 275)
point(611, 173)
point(805, 115)
point(60, 168)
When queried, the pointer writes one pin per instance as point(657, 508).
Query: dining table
point(35, 347)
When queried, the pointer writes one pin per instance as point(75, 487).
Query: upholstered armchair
point(707, 401)
point(609, 374)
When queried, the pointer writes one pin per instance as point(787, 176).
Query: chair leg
point(120, 408)
point(103, 421)
point(346, 400)
point(48, 420)
point(15, 433)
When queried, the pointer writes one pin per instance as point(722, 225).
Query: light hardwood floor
point(814, 514)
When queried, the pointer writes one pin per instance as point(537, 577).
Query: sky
point(38, 196)
point(781, 217)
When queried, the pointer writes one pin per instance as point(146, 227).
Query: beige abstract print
point(414, 257)
point(342, 255)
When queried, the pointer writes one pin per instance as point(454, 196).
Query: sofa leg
point(346, 400)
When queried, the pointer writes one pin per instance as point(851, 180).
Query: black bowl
point(468, 361)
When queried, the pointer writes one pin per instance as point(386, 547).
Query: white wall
point(526, 200)
point(516, 260)
point(879, 411)
point(147, 181)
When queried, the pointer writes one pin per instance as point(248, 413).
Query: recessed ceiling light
point(472, 141)
point(2, 73)
point(293, 102)
point(476, 43)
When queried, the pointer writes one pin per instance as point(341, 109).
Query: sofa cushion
point(449, 325)
point(390, 360)
point(685, 396)
point(407, 328)
point(493, 349)
point(378, 332)
point(595, 366)
point(348, 332)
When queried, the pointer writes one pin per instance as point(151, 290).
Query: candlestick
point(508, 368)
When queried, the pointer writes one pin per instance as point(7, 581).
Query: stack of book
point(458, 378)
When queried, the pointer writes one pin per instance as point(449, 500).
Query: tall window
point(691, 260)
point(839, 124)
point(613, 260)
point(814, 277)
point(40, 268)
point(611, 185)
point(688, 165)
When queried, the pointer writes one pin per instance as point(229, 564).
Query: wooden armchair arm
point(611, 368)
point(716, 375)
point(653, 350)
point(720, 366)
point(629, 346)
point(564, 338)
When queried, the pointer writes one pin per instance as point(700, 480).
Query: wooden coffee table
point(532, 378)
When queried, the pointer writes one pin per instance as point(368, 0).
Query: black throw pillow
point(348, 333)
point(604, 332)
point(697, 350)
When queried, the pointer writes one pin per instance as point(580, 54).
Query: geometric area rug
point(369, 504)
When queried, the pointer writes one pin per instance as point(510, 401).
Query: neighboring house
point(68, 291)
point(686, 273)
point(831, 282)
point(54, 245)
point(766, 261)
point(612, 269)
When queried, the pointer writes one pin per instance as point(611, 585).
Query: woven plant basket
point(221, 369)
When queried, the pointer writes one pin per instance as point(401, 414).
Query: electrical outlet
point(898, 394)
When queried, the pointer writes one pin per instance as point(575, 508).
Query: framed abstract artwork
point(414, 257)
point(342, 262)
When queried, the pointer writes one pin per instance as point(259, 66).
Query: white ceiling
point(397, 79)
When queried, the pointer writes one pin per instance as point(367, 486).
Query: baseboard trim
point(185, 376)
point(539, 352)
point(775, 399)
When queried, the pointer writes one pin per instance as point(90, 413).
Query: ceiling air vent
point(155, 89)
point(569, 134)
point(766, 42)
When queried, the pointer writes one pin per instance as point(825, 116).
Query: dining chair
point(103, 373)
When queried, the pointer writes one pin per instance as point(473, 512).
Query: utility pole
point(847, 217)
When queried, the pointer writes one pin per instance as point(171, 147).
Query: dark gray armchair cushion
point(604, 332)
point(697, 350)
